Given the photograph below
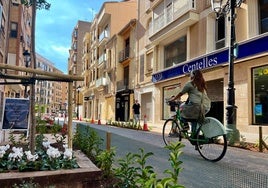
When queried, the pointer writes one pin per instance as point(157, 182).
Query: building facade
point(18, 41)
point(181, 36)
point(104, 71)
point(4, 17)
point(50, 95)
point(75, 61)
point(15, 43)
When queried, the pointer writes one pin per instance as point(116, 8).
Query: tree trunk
point(32, 86)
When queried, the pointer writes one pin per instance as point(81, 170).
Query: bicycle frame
point(209, 137)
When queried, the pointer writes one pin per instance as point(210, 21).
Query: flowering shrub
point(45, 158)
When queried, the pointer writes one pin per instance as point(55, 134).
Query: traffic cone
point(145, 127)
point(92, 120)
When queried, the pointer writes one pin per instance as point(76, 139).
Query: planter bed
point(88, 175)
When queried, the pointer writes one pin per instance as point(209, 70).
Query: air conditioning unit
point(16, 1)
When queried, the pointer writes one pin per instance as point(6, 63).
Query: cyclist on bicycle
point(195, 88)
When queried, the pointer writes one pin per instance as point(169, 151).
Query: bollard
point(108, 141)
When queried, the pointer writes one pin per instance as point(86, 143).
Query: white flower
point(53, 152)
point(46, 144)
point(2, 153)
point(3, 150)
point(31, 157)
point(68, 154)
point(17, 154)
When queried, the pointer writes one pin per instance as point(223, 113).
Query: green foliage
point(175, 148)
point(129, 124)
point(132, 171)
point(22, 140)
point(127, 172)
point(88, 141)
point(40, 4)
point(105, 160)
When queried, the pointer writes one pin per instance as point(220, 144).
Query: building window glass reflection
point(260, 93)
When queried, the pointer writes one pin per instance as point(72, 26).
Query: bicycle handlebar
point(177, 103)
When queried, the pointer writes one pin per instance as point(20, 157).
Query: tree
point(34, 4)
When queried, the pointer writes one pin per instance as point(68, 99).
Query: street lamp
point(78, 91)
point(223, 8)
point(27, 59)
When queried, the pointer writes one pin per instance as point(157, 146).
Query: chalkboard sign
point(16, 113)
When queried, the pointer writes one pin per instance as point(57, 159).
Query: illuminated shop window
point(260, 95)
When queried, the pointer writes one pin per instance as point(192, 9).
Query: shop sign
point(246, 49)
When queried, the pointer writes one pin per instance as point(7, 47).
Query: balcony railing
point(101, 82)
point(170, 14)
point(124, 54)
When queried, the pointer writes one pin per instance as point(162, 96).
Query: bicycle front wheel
point(171, 131)
point(211, 148)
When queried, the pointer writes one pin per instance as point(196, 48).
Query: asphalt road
point(239, 168)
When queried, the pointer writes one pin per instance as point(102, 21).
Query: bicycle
point(210, 138)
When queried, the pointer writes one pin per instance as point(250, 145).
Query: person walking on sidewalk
point(136, 111)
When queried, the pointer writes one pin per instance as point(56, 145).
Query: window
point(168, 91)
point(260, 95)
point(263, 16)
point(149, 62)
point(220, 32)
point(175, 52)
point(14, 30)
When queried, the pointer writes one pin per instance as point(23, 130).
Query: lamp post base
point(233, 134)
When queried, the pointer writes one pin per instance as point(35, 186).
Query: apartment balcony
point(102, 59)
point(124, 54)
point(101, 82)
point(103, 38)
point(179, 15)
point(121, 85)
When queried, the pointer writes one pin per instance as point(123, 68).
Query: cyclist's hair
point(198, 80)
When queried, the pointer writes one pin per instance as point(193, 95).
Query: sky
point(54, 28)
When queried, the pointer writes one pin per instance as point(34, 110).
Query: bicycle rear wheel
point(171, 131)
point(211, 148)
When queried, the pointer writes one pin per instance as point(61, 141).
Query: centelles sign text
point(246, 49)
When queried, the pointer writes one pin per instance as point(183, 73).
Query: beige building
point(105, 72)
point(50, 95)
point(178, 36)
point(75, 61)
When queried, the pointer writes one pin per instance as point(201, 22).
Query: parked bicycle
point(210, 138)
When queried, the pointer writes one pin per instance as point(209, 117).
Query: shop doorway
point(122, 107)
point(215, 93)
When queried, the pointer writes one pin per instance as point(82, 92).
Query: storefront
point(123, 105)
point(250, 82)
